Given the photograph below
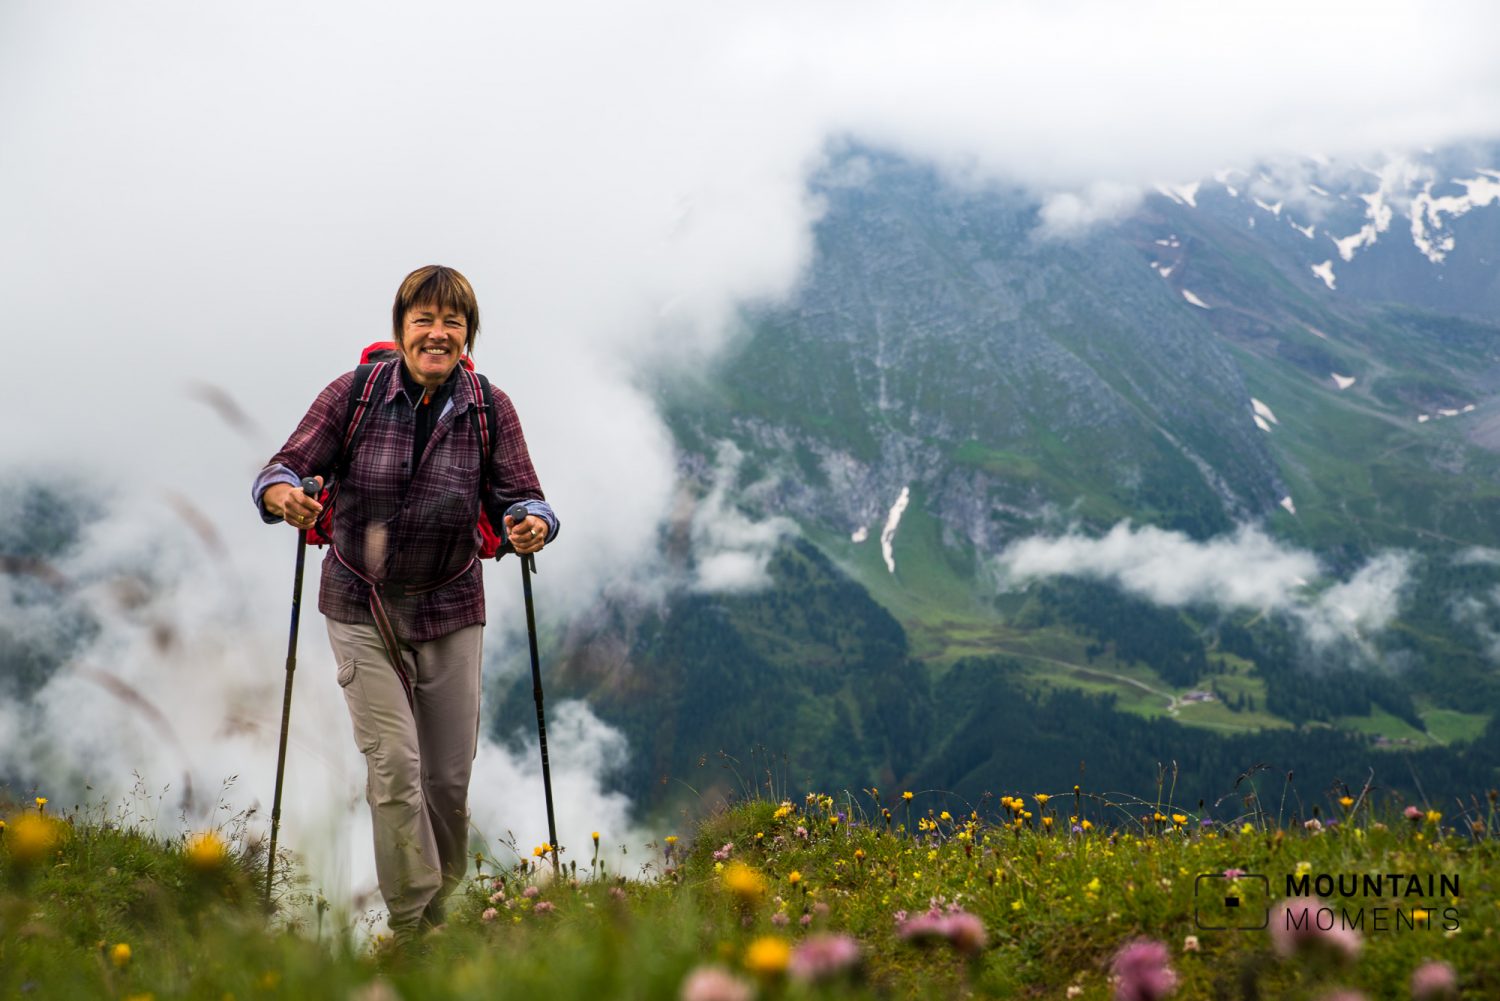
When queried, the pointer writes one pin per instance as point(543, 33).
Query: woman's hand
point(299, 510)
point(527, 536)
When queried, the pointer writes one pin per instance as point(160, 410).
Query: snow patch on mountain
point(1342, 381)
point(1273, 208)
point(1325, 272)
point(1261, 410)
point(1182, 194)
point(860, 534)
point(1195, 300)
point(1306, 231)
point(888, 534)
point(1286, 502)
point(1427, 212)
point(1260, 422)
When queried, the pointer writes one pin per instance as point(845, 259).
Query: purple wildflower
point(1142, 971)
point(780, 920)
point(1295, 929)
point(805, 920)
point(823, 957)
point(714, 983)
point(1434, 981)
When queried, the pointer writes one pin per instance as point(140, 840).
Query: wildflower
point(541, 850)
point(205, 852)
point(1433, 816)
point(1179, 819)
point(720, 854)
point(714, 983)
point(1418, 914)
point(531, 892)
point(1346, 801)
point(744, 882)
point(41, 802)
point(1413, 813)
point(783, 811)
point(823, 957)
point(497, 896)
point(768, 956)
point(120, 955)
point(1432, 981)
point(805, 920)
point(780, 920)
point(859, 855)
point(945, 815)
point(489, 914)
point(1190, 944)
point(794, 877)
point(671, 839)
point(595, 836)
point(801, 832)
point(544, 907)
point(1313, 825)
point(1294, 929)
point(1093, 885)
point(1046, 821)
point(1041, 799)
point(32, 838)
point(906, 796)
point(1143, 972)
point(1088, 825)
point(964, 931)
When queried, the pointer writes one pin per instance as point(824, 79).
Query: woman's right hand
point(297, 508)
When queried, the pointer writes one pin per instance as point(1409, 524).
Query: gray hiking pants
point(417, 763)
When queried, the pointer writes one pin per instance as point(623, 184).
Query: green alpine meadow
point(866, 894)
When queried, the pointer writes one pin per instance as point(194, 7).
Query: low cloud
point(1244, 570)
point(730, 551)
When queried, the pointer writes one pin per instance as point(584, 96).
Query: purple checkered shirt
point(399, 527)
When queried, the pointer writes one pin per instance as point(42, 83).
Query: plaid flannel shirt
point(402, 526)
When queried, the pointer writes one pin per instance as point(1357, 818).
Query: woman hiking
point(402, 589)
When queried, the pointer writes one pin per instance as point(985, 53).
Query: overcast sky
point(228, 194)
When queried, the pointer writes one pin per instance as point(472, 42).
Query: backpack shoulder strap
point(367, 378)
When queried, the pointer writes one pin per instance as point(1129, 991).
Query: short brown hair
point(435, 285)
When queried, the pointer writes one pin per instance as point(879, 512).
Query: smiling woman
point(402, 587)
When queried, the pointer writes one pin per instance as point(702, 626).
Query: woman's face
point(432, 340)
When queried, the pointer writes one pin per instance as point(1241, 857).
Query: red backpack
point(377, 364)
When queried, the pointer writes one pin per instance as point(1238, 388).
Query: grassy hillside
point(874, 894)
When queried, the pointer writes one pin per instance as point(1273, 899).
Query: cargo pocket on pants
point(365, 736)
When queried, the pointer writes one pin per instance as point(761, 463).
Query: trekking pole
point(310, 487)
point(517, 513)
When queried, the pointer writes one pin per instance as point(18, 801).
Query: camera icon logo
point(1222, 903)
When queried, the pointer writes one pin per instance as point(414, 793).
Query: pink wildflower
point(1295, 928)
point(1433, 981)
point(722, 854)
point(1142, 971)
point(801, 832)
point(530, 891)
point(1413, 813)
point(714, 983)
point(900, 917)
point(544, 907)
point(823, 957)
point(780, 920)
point(1233, 873)
point(489, 914)
point(820, 909)
point(964, 931)
point(805, 920)
point(617, 893)
point(496, 897)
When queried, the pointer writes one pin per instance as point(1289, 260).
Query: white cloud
point(732, 551)
point(1244, 570)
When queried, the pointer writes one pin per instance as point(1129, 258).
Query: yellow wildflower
point(743, 881)
point(768, 956)
point(32, 838)
point(794, 877)
point(945, 815)
point(1346, 801)
point(1041, 799)
point(1418, 914)
point(1433, 816)
point(1087, 825)
point(1179, 819)
point(205, 852)
point(595, 836)
point(671, 839)
point(906, 796)
point(541, 850)
point(1046, 821)
point(120, 955)
point(41, 801)
point(1093, 885)
point(783, 811)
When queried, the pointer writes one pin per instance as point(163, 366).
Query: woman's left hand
point(527, 536)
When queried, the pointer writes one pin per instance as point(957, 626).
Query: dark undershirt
point(426, 413)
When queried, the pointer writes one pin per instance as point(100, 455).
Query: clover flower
point(1294, 930)
point(489, 914)
point(714, 983)
point(823, 957)
point(1434, 981)
point(1143, 971)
